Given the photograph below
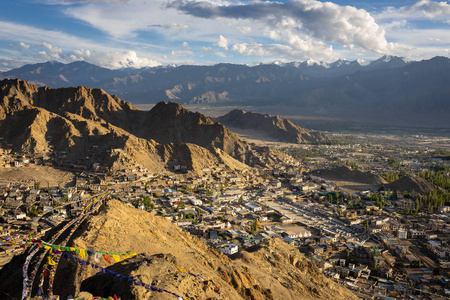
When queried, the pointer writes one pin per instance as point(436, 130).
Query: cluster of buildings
point(375, 251)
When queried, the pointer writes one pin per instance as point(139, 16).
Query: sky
point(149, 33)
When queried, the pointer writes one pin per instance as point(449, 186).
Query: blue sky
point(140, 33)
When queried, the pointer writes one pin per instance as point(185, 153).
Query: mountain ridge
point(388, 90)
point(89, 124)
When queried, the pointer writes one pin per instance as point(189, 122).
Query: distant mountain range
point(389, 89)
point(88, 125)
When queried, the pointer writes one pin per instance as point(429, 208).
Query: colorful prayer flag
point(107, 257)
point(51, 261)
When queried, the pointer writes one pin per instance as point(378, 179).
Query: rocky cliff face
point(90, 124)
point(275, 127)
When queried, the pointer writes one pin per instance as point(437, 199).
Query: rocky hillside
point(411, 184)
point(343, 173)
point(275, 271)
point(90, 125)
point(275, 127)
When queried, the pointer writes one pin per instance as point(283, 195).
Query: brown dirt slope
point(277, 271)
point(42, 174)
point(411, 184)
point(274, 126)
point(343, 173)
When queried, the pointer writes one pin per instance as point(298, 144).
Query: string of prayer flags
point(83, 252)
point(52, 261)
point(128, 255)
point(26, 291)
point(123, 277)
point(180, 269)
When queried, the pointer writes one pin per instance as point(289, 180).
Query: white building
point(226, 198)
point(229, 249)
point(21, 216)
point(253, 207)
point(416, 233)
point(194, 201)
point(402, 234)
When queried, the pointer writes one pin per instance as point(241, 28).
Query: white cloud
point(324, 21)
point(429, 9)
point(35, 35)
point(244, 29)
point(24, 46)
point(276, 51)
point(53, 52)
point(251, 49)
point(221, 54)
point(113, 60)
point(422, 9)
point(58, 46)
point(181, 52)
point(125, 20)
point(72, 2)
point(223, 42)
point(297, 29)
point(8, 64)
point(176, 26)
point(207, 50)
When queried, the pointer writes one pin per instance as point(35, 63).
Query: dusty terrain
point(351, 180)
point(411, 184)
point(276, 271)
point(42, 174)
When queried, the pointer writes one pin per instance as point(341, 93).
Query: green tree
point(180, 204)
point(33, 212)
point(148, 204)
point(37, 185)
point(330, 198)
point(241, 200)
point(254, 227)
point(417, 206)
